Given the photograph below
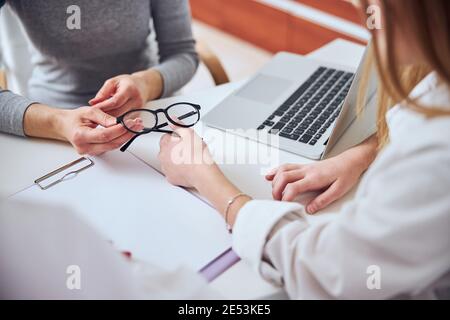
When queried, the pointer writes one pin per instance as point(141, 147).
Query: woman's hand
point(185, 158)
point(81, 128)
point(129, 91)
point(187, 162)
point(333, 177)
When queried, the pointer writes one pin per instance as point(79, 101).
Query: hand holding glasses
point(143, 121)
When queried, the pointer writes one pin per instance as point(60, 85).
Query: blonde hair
point(428, 23)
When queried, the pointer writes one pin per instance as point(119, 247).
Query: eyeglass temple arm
point(156, 129)
point(126, 145)
point(163, 131)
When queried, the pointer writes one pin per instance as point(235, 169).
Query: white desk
point(23, 160)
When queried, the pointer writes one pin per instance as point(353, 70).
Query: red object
point(127, 254)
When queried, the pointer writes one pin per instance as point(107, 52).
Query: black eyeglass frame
point(157, 127)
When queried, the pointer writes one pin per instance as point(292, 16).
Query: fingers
point(164, 151)
point(99, 117)
point(97, 149)
point(333, 193)
point(111, 134)
point(88, 135)
point(182, 132)
point(99, 135)
point(106, 91)
point(130, 104)
point(89, 139)
point(285, 167)
point(282, 179)
point(294, 189)
point(125, 96)
point(136, 125)
point(114, 102)
point(164, 141)
point(96, 100)
point(84, 142)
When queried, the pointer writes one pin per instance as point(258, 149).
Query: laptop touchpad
point(264, 89)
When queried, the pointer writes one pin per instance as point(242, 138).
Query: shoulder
point(410, 129)
point(419, 149)
point(412, 174)
point(422, 141)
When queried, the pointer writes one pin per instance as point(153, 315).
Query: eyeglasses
point(143, 121)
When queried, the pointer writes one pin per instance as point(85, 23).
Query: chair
point(212, 63)
point(3, 83)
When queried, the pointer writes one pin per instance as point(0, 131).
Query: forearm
point(218, 190)
point(12, 110)
point(178, 57)
point(43, 122)
point(362, 155)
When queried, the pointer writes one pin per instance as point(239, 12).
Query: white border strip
point(319, 17)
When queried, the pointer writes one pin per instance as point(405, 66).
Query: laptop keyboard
point(312, 108)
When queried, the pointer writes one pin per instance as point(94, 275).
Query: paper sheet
point(131, 204)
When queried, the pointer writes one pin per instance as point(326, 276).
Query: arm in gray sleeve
point(178, 58)
point(12, 111)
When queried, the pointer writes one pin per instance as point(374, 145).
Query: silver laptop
point(308, 104)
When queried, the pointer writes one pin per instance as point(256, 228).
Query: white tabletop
point(24, 160)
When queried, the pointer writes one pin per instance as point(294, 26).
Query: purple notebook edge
point(219, 265)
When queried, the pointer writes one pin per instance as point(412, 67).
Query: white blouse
point(392, 240)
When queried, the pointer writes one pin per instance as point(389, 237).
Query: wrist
point(151, 83)
point(59, 124)
point(360, 157)
point(211, 183)
point(219, 190)
point(44, 122)
point(236, 208)
point(205, 175)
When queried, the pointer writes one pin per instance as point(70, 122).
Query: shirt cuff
point(13, 108)
point(253, 225)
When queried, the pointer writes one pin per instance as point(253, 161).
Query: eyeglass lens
point(141, 121)
point(183, 114)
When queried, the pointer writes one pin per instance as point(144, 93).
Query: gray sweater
point(70, 65)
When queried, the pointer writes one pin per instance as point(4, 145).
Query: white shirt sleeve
point(398, 224)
